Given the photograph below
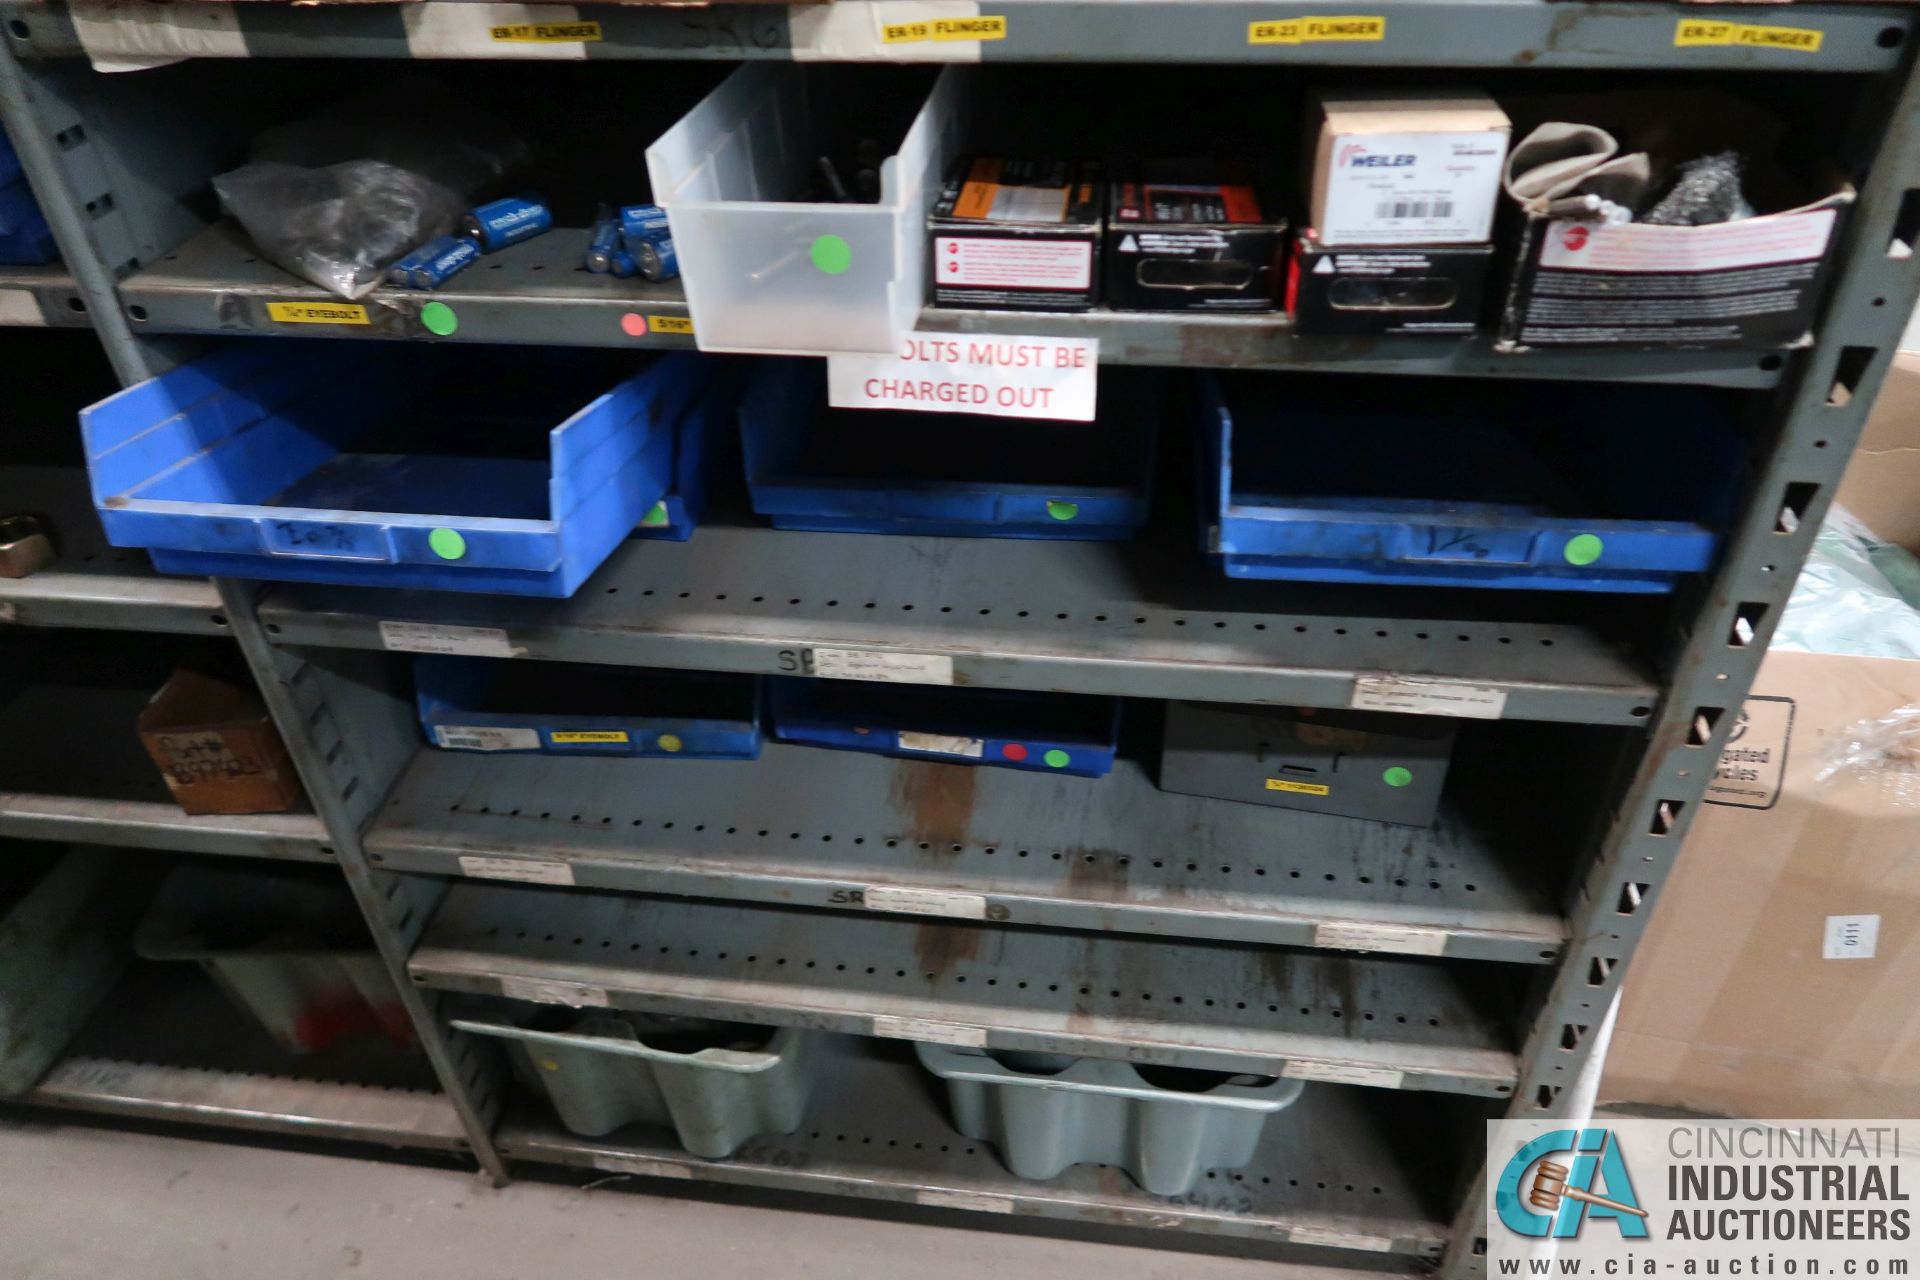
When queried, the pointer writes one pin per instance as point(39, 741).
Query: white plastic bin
point(766, 274)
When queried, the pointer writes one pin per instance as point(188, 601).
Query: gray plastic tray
point(602, 1077)
point(1043, 1112)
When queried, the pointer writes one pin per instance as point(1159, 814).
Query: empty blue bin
point(571, 708)
point(1045, 732)
point(398, 466)
point(810, 466)
point(705, 441)
point(1566, 487)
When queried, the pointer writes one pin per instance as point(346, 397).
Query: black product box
point(1754, 283)
point(1396, 289)
point(1359, 764)
point(1017, 235)
point(1192, 236)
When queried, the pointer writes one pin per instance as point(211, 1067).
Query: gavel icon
point(1550, 1187)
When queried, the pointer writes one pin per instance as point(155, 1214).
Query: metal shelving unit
point(41, 296)
point(1425, 981)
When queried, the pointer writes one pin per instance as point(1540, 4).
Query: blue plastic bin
point(25, 238)
point(569, 708)
point(1567, 487)
point(813, 467)
point(398, 466)
point(1045, 732)
point(706, 441)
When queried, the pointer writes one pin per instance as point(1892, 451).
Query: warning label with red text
point(1013, 264)
point(1006, 377)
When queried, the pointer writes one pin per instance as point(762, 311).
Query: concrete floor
point(89, 1203)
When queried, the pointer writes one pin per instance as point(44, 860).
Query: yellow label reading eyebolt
point(983, 28)
point(671, 324)
point(317, 313)
point(1300, 788)
point(1699, 33)
point(546, 33)
point(591, 735)
point(1316, 30)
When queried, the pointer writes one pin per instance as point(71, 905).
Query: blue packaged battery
point(400, 274)
point(622, 264)
point(605, 242)
point(656, 259)
point(642, 222)
point(506, 222)
point(444, 261)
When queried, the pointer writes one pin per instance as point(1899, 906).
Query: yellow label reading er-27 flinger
point(1702, 33)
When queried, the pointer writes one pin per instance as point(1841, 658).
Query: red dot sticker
point(1013, 751)
point(634, 325)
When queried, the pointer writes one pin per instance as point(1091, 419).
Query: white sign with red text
point(1006, 377)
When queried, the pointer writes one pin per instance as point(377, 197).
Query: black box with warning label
point(1017, 235)
point(1193, 236)
point(1435, 290)
point(1359, 764)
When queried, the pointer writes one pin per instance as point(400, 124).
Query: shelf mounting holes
point(1747, 617)
point(1847, 372)
point(1906, 225)
point(1570, 1036)
point(1704, 721)
point(1632, 895)
point(1666, 815)
point(1599, 970)
point(1793, 506)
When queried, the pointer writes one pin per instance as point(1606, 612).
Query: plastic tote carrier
point(398, 466)
point(1558, 486)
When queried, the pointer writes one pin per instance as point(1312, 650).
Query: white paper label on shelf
point(931, 1032)
point(1417, 695)
point(1404, 939)
point(1051, 378)
point(525, 870)
point(477, 737)
point(943, 744)
point(964, 1200)
point(873, 664)
point(608, 1163)
point(1851, 938)
point(925, 902)
point(575, 995)
point(1343, 1073)
point(19, 306)
point(1339, 1239)
point(428, 637)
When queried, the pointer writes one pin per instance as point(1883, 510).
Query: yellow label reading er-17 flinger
point(546, 33)
point(317, 313)
point(590, 735)
point(1299, 788)
point(1316, 30)
point(1700, 33)
point(671, 324)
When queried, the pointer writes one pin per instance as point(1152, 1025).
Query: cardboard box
point(1416, 289)
point(1388, 768)
point(1406, 168)
point(1193, 236)
point(217, 747)
point(1017, 235)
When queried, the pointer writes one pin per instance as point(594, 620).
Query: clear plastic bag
point(335, 198)
point(1883, 754)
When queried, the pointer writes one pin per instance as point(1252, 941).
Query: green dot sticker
point(439, 319)
point(1583, 549)
point(656, 515)
point(1057, 759)
point(1397, 776)
point(831, 254)
point(447, 543)
point(1063, 510)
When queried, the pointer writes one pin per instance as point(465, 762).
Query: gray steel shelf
point(72, 768)
point(41, 296)
point(95, 584)
point(1338, 1169)
point(1149, 618)
point(540, 294)
point(817, 828)
point(1396, 1023)
point(1456, 33)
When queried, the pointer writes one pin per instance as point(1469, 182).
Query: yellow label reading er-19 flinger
point(1299, 788)
point(546, 33)
point(317, 313)
point(986, 27)
point(671, 324)
point(590, 735)
point(1316, 30)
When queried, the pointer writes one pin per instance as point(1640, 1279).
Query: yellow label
point(317, 313)
point(982, 28)
point(592, 735)
point(546, 33)
point(671, 324)
point(1697, 32)
point(1300, 788)
point(1316, 30)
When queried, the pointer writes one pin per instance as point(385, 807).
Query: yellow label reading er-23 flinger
point(546, 33)
point(1335, 30)
point(317, 313)
point(589, 735)
point(1298, 788)
point(671, 324)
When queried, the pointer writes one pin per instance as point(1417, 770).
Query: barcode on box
point(1389, 210)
